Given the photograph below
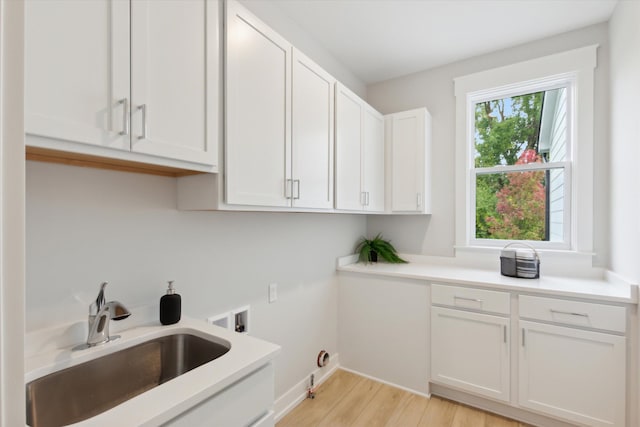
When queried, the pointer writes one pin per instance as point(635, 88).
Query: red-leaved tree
point(521, 204)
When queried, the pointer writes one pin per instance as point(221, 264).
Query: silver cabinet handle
point(288, 184)
point(125, 116)
point(418, 200)
point(363, 198)
point(569, 313)
point(468, 299)
point(523, 336)
point(297, 196)
point(143, 109)
point(367, 198)
point(504, 333)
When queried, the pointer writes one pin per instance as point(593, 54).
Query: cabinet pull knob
point(569, 313)
point(523, 337)
point(504, 333)
point(143, 110)
point(125, 116)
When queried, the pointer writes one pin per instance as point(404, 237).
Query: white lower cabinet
point(470, 340)
point(574, 374)
point(571, 355)
point(470, 351)
point(248, 402)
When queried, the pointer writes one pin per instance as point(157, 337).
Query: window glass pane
point(520, 205)
point(507, 128)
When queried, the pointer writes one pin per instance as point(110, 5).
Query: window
point(521, 166)
point(524, 154)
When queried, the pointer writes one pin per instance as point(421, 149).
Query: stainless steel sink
point(83, 391)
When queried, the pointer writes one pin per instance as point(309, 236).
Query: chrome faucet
point(100, 313)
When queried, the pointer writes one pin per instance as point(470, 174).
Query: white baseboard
point(410, 390)
point(296, 394)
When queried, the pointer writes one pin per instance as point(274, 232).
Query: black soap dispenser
point(170, 306)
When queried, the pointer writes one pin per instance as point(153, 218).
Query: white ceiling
point(381, 39)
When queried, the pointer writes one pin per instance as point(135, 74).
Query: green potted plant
point(369, 249)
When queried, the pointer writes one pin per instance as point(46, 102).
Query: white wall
point(624, 33)
point(435, 234)
point(273, 16)
point(12, 259)
point(85, 226)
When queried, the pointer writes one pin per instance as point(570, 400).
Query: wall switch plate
point(273, 292)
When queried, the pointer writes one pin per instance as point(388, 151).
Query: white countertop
point(591, 289)
point(170, 399)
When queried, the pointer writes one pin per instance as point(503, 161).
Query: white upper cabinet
point(258, 111)
point(141, 77)
point(312, 136)
point(359, 154)
point(169, 78)
point(279, 116)
point(373, 160)
point(349, 113)
point(77, 71)
point(408, 152)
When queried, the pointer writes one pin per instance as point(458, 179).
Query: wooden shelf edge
point(85, 160)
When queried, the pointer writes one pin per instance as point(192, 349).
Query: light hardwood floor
point(346, 399)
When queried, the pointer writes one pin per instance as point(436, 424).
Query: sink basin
point(75, 394)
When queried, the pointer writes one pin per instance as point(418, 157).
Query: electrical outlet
point(273, 292)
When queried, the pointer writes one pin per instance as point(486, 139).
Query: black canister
point(170, 306)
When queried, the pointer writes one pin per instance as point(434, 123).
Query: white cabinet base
point(246, 402)
point(493, 406)
point(574, 374)
point(470, 351)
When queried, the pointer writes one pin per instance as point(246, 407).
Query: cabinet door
point(77, 71)
point(573, 374)
point(349, 116)
point(258, 101)
point(171, 41)
point(470, 351)
point(312, 134)
point(243, 403)
point(407, 161)
point(373, 160)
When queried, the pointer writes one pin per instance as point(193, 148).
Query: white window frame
point(572, 69)
point(556, 82)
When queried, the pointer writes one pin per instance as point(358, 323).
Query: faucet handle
point(100, 301)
